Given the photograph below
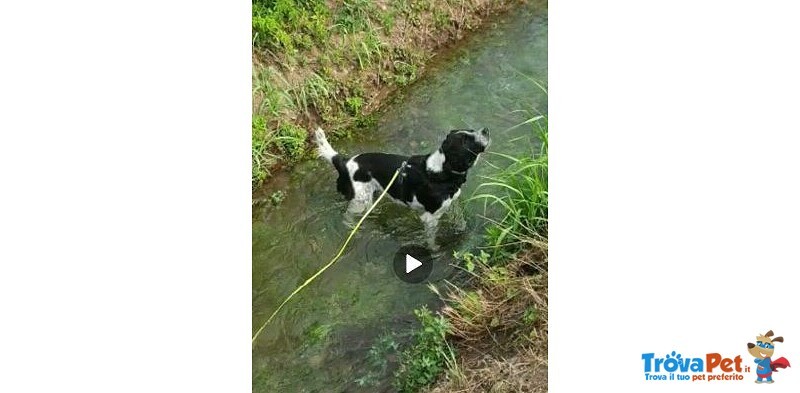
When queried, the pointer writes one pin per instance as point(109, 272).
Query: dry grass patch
point(498, 327)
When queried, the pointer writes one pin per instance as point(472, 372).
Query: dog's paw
point(430, 242)
point(460, 225)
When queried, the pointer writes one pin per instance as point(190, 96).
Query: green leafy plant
point(377, 362)
point(471, 259)
point(430, 354)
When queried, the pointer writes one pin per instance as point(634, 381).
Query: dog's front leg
point(459, 219)
point(355, 209)
point(431, 221)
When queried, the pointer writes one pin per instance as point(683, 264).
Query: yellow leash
point(335, 258)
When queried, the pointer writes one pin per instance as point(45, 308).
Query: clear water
point(322, 340)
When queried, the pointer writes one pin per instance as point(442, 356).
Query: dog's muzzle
point(483, 137)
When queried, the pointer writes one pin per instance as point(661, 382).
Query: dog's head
point(764, 346)
point(462, 147)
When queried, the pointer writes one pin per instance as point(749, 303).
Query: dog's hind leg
point(362, 197)
point(359, 203)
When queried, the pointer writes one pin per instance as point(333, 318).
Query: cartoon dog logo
point(763, 350)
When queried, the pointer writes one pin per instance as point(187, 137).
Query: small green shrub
point(470, 260)
point(354, 105)
point(405, 73)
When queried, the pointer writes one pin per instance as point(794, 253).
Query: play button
point(412, 264)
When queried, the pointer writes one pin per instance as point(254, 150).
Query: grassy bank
point(331, 63)
point(492, 333)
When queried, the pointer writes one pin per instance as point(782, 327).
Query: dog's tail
point(326, 151)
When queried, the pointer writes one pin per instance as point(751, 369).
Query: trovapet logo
point(715, 366)
point(676, 367)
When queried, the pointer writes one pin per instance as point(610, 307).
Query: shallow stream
point(342, 332)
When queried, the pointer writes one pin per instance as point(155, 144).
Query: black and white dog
point(427, 183)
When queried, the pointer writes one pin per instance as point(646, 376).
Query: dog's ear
point(778, 339)
point(447, 143)
point(768, 334)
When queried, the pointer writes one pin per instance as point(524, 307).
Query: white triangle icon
point(412, 263)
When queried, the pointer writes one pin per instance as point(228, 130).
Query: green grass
point(519, 191)
point(273, 99)
point(260, 144)
point(287, 140)
point(369, 50)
